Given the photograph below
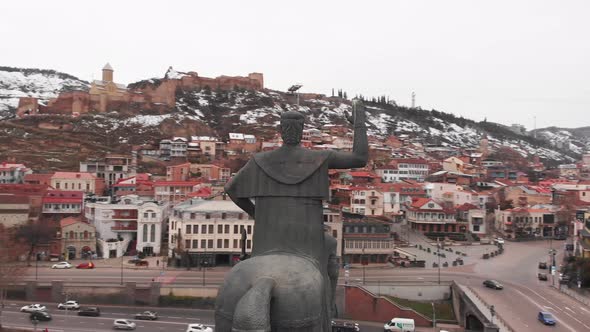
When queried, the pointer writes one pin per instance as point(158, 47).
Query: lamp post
point(36, 265)
point(438, 255)
point(433, 317)
point(363, 262)
point(121, 268)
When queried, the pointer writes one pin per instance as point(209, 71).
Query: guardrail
point(498, 319)
point(573, 294)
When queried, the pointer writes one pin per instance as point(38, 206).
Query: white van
point(401, 325)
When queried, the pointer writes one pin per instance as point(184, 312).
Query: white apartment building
point(208, 232)
point(128, 225)
point(366, 201)
point(404, 169)
point(13, 173)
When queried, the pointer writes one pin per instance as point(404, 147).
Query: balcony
point(124, 228)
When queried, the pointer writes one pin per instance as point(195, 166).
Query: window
point(85, 234)
point(249, 229)
point(223, 215)
point(153, 233)
point(210, 244)
point(476, 228)
point(195, 229)
point(204, 229)
point(248, 244)
point(144, 236)
point(226, 231)
point(241, 228)
point(79, 186)
point(187, 244)
point(219, 244)
point(145, 215)
point(203, 244)
point(153, 215)
point(226, 243)
point(240, 216)
point(211, 231)
point(188, 229)
point(192, 215)
point(219, 229)
point(207, 216)
point(236, 228)
point(195, 244)
point(66, 185)
point(235, 243)
point(335, 233)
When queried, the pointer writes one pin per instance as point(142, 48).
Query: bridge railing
point(504, 326)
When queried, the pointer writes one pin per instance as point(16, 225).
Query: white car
point(198, 328)
point(33, 308)
point(69, 305)
point(123, 324)
point(499, 240)
point(62, 265)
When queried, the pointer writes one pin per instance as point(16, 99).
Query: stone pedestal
point(31, 291)
point(57, 291)
point(129, 293)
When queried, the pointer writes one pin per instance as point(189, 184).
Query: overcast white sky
point(505, 60)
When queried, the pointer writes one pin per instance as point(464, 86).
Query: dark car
point(543, 265)
point(89, 311)
point(147, 315)
point(338, 326)
point(542, 276)
point(40, 316)
point(546, 318)
point(493, 284)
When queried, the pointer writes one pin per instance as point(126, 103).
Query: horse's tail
point(252, 313)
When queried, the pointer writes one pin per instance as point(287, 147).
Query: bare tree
point(34, 234)
point(11, 270)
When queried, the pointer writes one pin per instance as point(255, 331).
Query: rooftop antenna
point(413, 99)
point(535, 126)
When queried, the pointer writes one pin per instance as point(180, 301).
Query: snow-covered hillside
point(575, 140)
point(258, 112)
point(42, 84)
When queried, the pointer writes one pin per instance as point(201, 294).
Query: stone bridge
point(473, 313)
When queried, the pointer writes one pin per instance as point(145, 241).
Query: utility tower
point(413, 99)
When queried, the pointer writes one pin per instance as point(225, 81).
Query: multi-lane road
point(518, 303)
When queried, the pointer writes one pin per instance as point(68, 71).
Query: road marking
point(567, 308)
point(546, 307)
point(540, 306)
point(586, 310)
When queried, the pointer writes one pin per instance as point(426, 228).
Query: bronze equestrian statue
point(288, 283)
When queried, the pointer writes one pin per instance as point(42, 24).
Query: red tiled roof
point(363, 174)
point(410, 161)
point(14, 199)
point(467, 207)
point(62, 196)
point(176, 183)
point(69, 221)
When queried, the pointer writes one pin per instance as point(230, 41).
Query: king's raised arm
point(360, 147)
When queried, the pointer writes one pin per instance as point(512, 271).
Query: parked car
point(33, 308)
point(142, 263)
point(560, 237)
point(546, 318)
point(542, 276)
point(123, 324)
point(69, 305)
point(86, 265)
point(493, 284)
point(89, 311)
point(62, 265)
point(543, 265)
point(339, 326)
point(147, 315)
point(198, 328)
point(499, 240)
point(40, 316)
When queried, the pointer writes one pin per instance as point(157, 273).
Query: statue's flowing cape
point(302, 173)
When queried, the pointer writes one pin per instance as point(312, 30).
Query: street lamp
point(121, 268)
point(433, 317)
point(363, 261)
point(438, 255)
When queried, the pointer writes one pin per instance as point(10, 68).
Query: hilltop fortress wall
point(157, 95)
